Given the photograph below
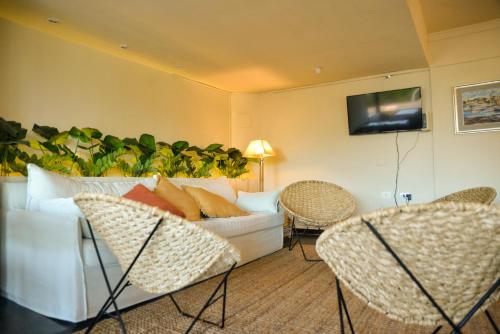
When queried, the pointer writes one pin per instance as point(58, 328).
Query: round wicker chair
point(418, 264)
point(316, 204)
point(484, 195)
point(157, 251)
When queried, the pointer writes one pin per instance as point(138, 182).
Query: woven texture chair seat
point(484, 195)
point(180, 252)
point(317, 203)
point(452, 248)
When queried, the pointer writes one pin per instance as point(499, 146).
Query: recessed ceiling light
point(318, 69)
point(124, 46)
point(53, 20)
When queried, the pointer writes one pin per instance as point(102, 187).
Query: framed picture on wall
point(477, 107)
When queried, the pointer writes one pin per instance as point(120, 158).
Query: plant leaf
point(147, 141)
point(92, 133)
point(213, 147)
point(45, 131)
point(179, 146)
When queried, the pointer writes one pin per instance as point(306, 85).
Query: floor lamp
point(259, 149)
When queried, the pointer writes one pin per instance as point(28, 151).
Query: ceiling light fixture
point(318, 69)
point(124, 46)
point(388, 76)
point(53, 20)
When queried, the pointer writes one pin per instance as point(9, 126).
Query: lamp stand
point(261, 175)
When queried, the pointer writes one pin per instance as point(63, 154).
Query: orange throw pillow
point(169, 192)
point(143, 195)
point(212, 205)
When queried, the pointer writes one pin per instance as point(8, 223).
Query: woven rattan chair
point(316, 204)
point(157, 251)
point(428, 265)
point(484, 195)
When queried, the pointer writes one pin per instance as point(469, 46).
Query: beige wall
point(308, 127)
point(463, 160)
point(53, 82)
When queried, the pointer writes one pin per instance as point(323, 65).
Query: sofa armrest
point(40, 262)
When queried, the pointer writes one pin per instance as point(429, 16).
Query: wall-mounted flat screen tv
point(389, 111)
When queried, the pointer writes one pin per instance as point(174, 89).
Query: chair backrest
point(179, 253)
point(484, 195)
point(317, 203)
point(453, 249)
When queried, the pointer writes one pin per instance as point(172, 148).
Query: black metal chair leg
point(492, 322)
point(341, 310)
point(223, 322)
point(477, 306)
point(438, 328)
point(118, 288)
point(298, 235)
point(292, 234)
point(209, 301)
point(104, 308)
point(340, 297)
point(111, 292)
point(304, 253)
point(346, 310)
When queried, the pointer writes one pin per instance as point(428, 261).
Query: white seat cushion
point(224, 227)
point(236, 226)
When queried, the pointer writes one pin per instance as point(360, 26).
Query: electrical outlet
point(406, 196)
point(386, 194)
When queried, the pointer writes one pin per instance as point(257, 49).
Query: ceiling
point(448, 14)
point(257, 45)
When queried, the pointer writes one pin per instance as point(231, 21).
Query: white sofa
point(47, 265)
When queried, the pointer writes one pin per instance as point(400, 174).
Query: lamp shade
point(259, 149)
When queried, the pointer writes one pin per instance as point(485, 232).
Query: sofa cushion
point(46, 191)
point(178, 197)
point(213, 205)
point(258, 201)
point(236, 226)
point(140, 193)
point(43, 184)
point(219, 186)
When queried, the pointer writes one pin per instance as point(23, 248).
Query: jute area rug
point(280, 293)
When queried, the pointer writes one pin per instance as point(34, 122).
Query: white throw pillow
point(258, 202)
point(43, 184)
point(219, 186)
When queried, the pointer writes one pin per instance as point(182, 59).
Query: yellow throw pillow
point(212, 205)
point(179, 198)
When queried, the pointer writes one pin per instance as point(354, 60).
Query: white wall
point(308, 127)
point(50, 81)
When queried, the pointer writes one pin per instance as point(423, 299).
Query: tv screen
point(389, 111)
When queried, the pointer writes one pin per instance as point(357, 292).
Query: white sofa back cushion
point(219, 186)
point(44, 185)
point(53, 193)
